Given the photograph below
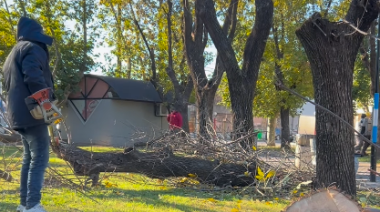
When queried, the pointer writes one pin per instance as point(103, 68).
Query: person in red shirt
point(175, 120)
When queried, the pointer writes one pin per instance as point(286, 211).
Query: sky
point(105, 49)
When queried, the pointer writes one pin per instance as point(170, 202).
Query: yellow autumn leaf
point(108, 184)
point(183, 180)
point(162, 187)
point(246, 174)
point(260, 174)
point(212, 200)
point(295, 191)
point(268, 203)
point(270, 174)
point(302, 194)
point(192, 175)
point(254, 148)
point(235, 210)
point(275, 4)
point(276, 198)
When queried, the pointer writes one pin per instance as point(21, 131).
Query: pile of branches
point(214, 161)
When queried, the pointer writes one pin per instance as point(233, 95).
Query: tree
point(195, 39)
point(242, 82)
point(332, 48)
point(150, 29)
point(290, 64)
point(361, 90)
point(365, 71)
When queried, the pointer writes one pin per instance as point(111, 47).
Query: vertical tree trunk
point(129, 68)
point(285, 130)
point(182, 109)
point(203, 116)
point(243, 116)
point(272, 131)
point(84, 22)
point(332, 52)
point(241, 81)
point(196, 37)
point(119, 42)
point(372, 57)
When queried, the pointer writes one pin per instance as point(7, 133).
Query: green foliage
point(71, 51)
point(293, 63)
point(130, 46)
point(361, 90)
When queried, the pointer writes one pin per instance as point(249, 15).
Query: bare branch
point(188, 22)
point(22, 5)
point(150, 50)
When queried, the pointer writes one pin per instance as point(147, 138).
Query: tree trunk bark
point(204, 114)
point(332, 52)
point(242, 105)
point(182, 109)
point(241, 81)
point(285, 130)
point(372, 57)
point(162, 164)
point(272, 131)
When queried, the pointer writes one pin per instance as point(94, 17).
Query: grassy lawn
point(368, 159)
point(130, 192)
point(126, 192)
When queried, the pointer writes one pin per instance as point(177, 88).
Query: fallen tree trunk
point(161, 164)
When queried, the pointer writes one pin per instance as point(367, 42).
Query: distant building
point(114, 112)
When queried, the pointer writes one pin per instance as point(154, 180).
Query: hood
point(31, 30)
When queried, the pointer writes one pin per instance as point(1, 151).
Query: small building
point(114, 112)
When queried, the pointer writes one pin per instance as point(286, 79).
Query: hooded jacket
point(26, 71)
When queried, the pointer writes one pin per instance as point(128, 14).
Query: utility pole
point(375, 109)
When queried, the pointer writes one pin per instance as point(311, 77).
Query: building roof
point(133, 90)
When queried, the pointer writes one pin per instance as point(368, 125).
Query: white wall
point(115, 123)
point(306, 124)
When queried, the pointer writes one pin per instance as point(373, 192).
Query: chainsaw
point(41, 107)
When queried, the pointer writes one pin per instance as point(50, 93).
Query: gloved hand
point(41, 107)
point(37, 111)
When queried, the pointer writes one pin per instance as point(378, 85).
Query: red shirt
point(175, 120)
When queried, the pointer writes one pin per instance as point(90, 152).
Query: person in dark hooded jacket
point(26, 71)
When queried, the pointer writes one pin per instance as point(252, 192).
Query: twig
point(358, 30)
point(373, 171)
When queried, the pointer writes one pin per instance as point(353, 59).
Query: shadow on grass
point(154, 198)
point(7, 207)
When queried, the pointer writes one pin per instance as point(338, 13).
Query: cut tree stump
point(331, 200)
point(161, 164)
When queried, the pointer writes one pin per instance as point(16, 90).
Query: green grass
point(274, 148)
point(368, 157)
point(130, 192)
